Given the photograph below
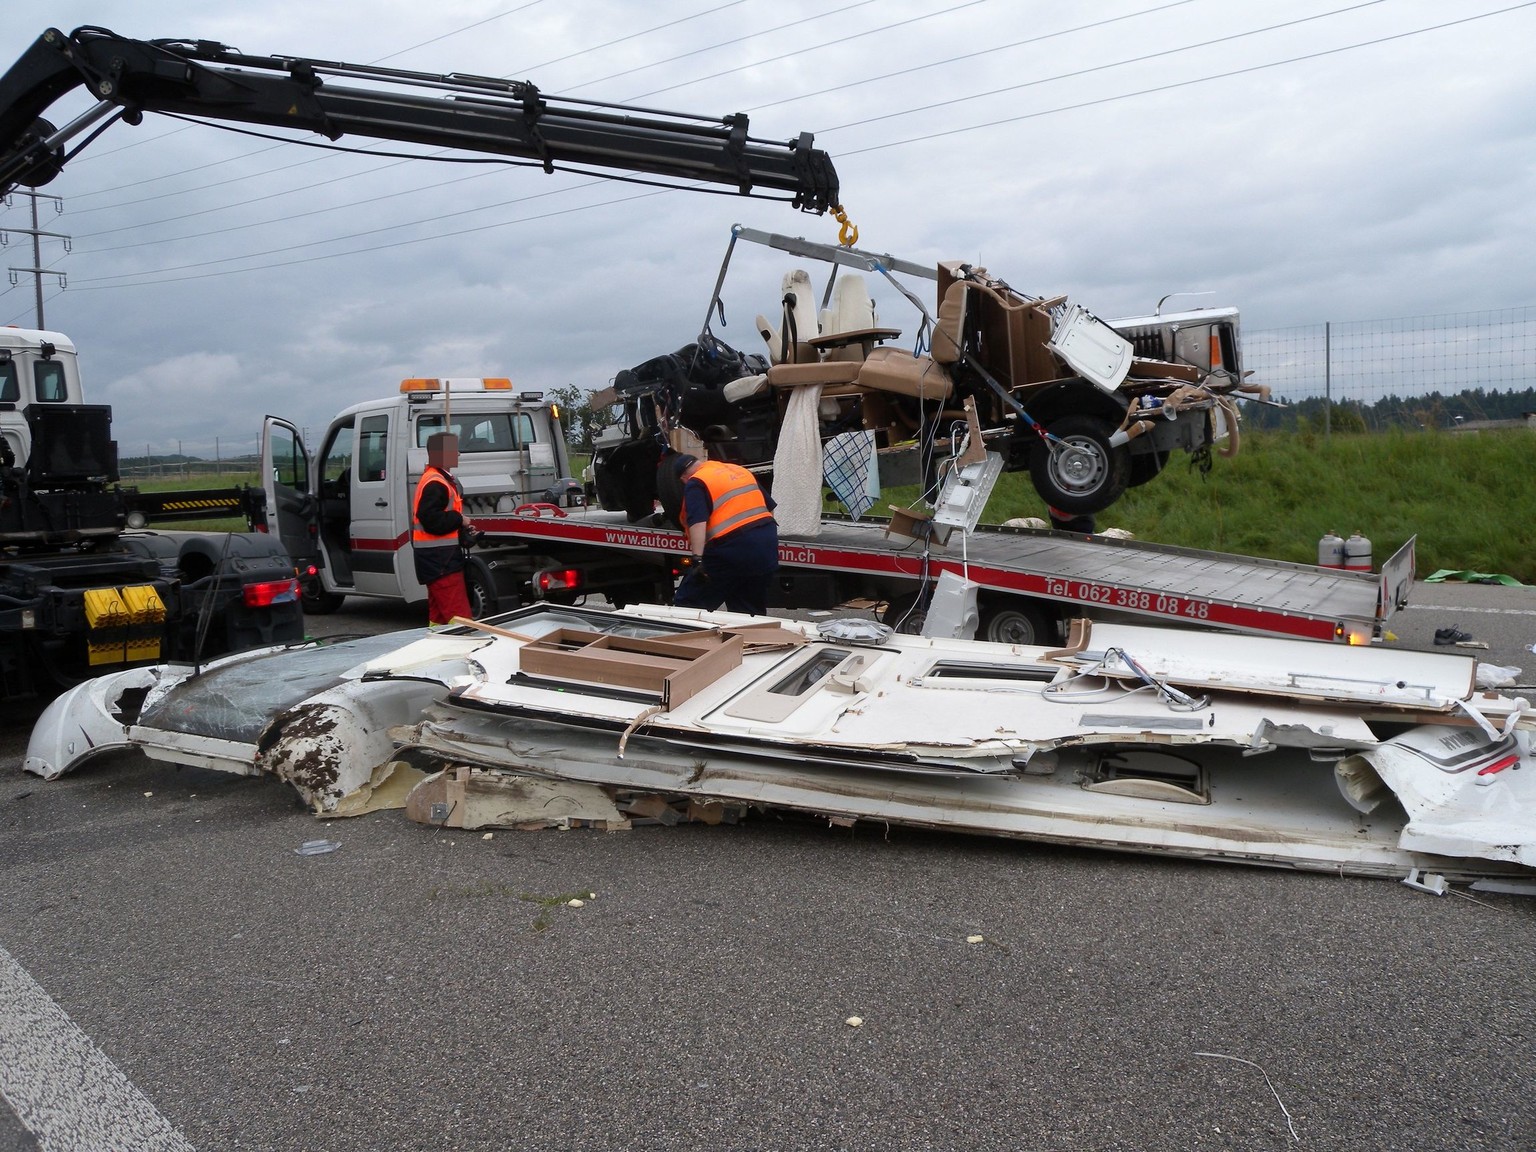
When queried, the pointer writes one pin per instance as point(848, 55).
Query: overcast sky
point(1305, 160)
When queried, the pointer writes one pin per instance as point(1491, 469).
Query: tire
point(1082, 473)
point(1016, 621)
point(53, 671)
point(903, 614)
point(483, 600)
point(316, 601)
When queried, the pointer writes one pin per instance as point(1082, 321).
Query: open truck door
point(286, 475)
point(381, 561)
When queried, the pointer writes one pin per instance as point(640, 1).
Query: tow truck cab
point(38, 370)
point(345, 512)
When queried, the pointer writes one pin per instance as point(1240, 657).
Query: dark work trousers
point(736, 571)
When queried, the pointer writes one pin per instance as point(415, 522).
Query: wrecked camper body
point(1356, 761)
point(1087, 409)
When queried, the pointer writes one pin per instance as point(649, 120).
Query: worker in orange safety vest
point(730, 526)
point(438, 532)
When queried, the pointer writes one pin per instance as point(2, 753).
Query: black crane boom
point(486, 114)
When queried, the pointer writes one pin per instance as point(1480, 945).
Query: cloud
point(215, 278)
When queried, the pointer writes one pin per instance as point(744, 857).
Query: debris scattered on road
point(316, 847)
point(1472, 577)
point(1431, 882)
point(1506, 887)
point(1497, 675)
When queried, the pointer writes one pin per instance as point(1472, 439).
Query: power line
point(1172, 85)
point(971, 55)
point(460, 31)
point(349, 236)
point(321, 184)
point(88, 284)
point(287, 217)
point(1106, 67)
point(383, 167)
point(730, 43)
point(314, 160)
point(812, 48)
point(259, 151)
point(21, 316)
point(635, 35)
point(181, 172)
point(929, 136)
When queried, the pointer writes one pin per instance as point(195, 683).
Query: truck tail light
point(1216, 361)
point(558, 580)
point(270, 592)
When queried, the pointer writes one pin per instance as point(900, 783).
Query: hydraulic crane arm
point(474, 113)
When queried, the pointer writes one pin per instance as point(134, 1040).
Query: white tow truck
point(345, 516)
point(346, 512)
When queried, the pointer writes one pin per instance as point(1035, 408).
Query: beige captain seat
point(887, 369)
point(926, 377)
point(787, 341)
point(852, 310)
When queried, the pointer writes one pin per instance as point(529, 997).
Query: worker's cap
point(681, 462)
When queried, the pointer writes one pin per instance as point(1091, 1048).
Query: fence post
point(1328, 380)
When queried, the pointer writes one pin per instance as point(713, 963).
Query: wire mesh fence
point(1457, 369)
point(1419, 371)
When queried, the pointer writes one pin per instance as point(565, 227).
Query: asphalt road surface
point(173, 975)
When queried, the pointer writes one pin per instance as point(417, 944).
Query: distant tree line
point(1428, 411)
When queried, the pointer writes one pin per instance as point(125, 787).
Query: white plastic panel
point(1094, 350)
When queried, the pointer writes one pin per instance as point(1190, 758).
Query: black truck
point(85, 586)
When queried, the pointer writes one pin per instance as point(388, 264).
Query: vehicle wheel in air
point(482, 593)
point(1018, 622)
point(1080, 471)
point(316, 601)
point(903, 614)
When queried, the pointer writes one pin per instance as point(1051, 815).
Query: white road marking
point(65, 1090)
point(1456, 611)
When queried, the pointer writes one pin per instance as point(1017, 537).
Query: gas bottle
point(1357, 553)
point(1330, 551)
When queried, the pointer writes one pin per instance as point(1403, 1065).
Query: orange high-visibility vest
point(736, 496)
point(419, 535)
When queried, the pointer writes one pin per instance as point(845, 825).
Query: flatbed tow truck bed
point(1184, 585)
point(1242, 593)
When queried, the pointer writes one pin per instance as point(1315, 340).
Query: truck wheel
point(317, 601)
point(483, 600)
point(904, 615)
point(1018, 622)
point(53, 669)
point(1082, 473)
